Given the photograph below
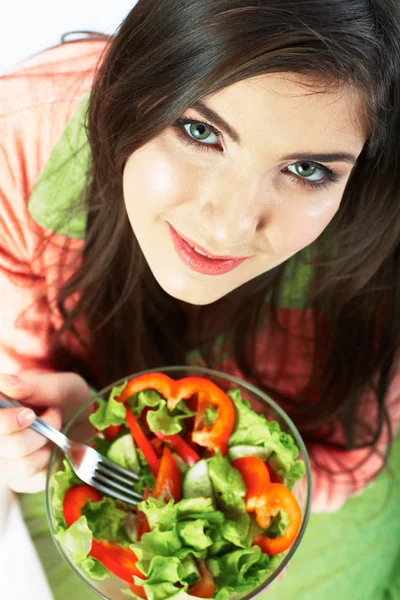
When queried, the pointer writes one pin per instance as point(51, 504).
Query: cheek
point(153, 181)
point(298, 227)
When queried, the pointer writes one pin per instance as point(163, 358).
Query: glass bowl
point(79, 429)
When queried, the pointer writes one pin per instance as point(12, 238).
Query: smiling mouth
point(201, 260)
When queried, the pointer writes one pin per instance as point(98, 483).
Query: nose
point(231, 211)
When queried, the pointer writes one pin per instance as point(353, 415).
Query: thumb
point(66, 391)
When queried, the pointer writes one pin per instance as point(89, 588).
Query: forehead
point(295, 110)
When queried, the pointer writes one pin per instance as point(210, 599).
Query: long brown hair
point(168, 54)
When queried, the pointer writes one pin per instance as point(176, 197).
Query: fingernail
point(13, 379)
point(25, 417)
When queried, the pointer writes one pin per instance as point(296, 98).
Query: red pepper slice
point(218, 434)
point(112, 431)
point(117, 559)
point(157, 446)
point(181, 447)
point(159, 382)
point(267, 499)
point(168, 481)
point(174, 392)
point(142, 442)
point(205, 587)
point(75, 500)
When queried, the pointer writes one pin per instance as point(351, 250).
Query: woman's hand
point(25, 454)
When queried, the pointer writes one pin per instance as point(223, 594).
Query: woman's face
point(248, 177)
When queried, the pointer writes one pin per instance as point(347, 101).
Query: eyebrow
point(210, 114)
point(324, 157)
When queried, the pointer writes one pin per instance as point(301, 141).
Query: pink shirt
point(36, 102)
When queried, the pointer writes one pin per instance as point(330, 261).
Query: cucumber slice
point(197, 482)
point(240, 451)
point(123, 453)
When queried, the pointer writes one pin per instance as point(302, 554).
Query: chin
point(194, 292)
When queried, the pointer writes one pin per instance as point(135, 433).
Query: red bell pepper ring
point(142, 442)
point(118, 560)
point(168, 481)
point(76, 499)
point(205, 587)
point(159, 382)
point(213, 437)
point(182, 448)
point(267, 499)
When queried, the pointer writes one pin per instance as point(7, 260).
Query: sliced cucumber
point(123, 453)
point(197, 482)
point(241, 451)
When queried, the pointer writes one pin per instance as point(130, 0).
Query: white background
point(29, 26)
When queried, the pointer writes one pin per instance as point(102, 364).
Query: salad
point(217, 515)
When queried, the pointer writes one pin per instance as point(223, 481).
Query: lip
point(216, 265)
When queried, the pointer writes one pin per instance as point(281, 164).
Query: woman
point(232, 200)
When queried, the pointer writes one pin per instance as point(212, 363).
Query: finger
point(23, 443)
point(13, 420)
point(48, 389)
point(35, 484)
point(23, 469)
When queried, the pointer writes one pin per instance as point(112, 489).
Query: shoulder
point(36, 102)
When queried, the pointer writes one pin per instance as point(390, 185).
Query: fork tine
point(102, 468)
point(112, 466)
point(115, 485)
point(113, 493)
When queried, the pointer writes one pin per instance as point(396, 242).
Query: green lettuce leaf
point(241, 570)
point(237, 531)
point(192, 533)
point(228, 485)
point(156, 544)
point(278, 525)
point(164, 578)
point(191, 572)
point(210, 415)
point(102, 445)
point(254, 430)
point(189, 506)
point(105, 520)
point(296, 472)
point(162, 420)
point(94, 568)
point(159, 514)
point(222, 595)
point(111, 412)
point(146, 476)
point(76, 541)
point(145, 399)
point(62, 481)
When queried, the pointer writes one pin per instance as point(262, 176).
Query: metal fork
point(88, 464)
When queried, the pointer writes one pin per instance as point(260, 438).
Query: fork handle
point(38, 425)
